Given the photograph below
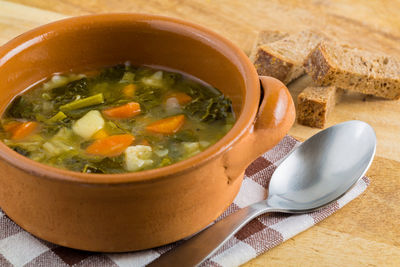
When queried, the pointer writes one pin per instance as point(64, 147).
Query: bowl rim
point(243, 124)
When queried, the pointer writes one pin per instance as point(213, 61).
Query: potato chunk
point(89, 124)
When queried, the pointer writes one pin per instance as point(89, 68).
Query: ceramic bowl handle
point(275, 117)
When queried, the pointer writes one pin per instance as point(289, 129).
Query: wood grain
point(366, 231)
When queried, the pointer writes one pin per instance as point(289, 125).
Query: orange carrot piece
point(11, 126)
point(24, 130)
point(182, 98)
point(100, 134)
point(110, 146)
point(129, 90)
point(167, 126)
point(123, 112)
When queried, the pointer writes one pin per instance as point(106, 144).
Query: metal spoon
point(317, 172)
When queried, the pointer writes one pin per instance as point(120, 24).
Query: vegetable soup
point(117, 119)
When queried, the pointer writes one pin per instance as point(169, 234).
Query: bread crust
point(283, 55)
point(265, 37)
point(266, 63)
point(371, 77)
point(315, 104)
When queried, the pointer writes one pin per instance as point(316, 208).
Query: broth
point(116, 119)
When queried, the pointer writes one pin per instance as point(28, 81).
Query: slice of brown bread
point(266, 37)
point(284, 58)
point(354, 69)
point(314, 104)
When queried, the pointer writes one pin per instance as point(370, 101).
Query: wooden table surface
point(367, 230)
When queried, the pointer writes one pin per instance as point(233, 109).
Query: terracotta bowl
point(134, 211)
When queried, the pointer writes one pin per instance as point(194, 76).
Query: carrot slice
point(100, 134)
point(167, 126)
point(11, 126)
point(123, 112)
point(182, 98)
point(110, 146)
point(24, 130)
point(129, 90)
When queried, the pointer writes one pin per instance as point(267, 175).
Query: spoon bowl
point(322, 168)
point(315, 174)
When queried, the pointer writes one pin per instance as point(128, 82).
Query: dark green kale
point(74, 163)
point(111, 165)
point(149, 97)
point(69, 92)
point(114, 73)
point(21, 151)
point(197, 90)
point(21, 108)
point(210, 109)
point(81, 163)
point(142, 72)
point(92, 169)
point(171, 78)
point(208, 104)
point(52, 128)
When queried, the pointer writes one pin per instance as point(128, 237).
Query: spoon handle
point(198, 248)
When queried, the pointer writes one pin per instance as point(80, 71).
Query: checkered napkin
point(19, 248)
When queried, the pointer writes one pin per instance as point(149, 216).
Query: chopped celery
point(128, 77)
point(84, 102)
point(58, 117)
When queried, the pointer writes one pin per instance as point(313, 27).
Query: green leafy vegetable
point(197, 90)
point(112, 165)
point(51, 129)
point(142, 72)
point(211, 109)
point(21, 108)
point(149, 97)
point(114, 73)
point(171, 78)
point(74, 163)
point(91, 169)
point(21, 151)
point(69, 92)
